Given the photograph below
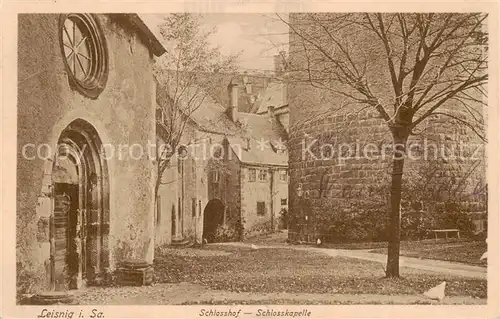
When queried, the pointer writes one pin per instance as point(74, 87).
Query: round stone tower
point(341, 157)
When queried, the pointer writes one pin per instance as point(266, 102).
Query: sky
point(257, 36)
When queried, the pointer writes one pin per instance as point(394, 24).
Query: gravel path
point(187, 293)
point(446, 267)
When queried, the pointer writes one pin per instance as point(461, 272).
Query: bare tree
point(435, 64)
point(181, 74)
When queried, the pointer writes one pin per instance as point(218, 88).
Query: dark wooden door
point(66, 214)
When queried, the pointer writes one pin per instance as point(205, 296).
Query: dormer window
point(278, 146)
point(248, 144)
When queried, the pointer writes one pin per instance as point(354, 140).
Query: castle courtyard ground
point(234, 273)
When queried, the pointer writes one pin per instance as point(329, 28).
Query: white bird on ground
point(254, 247)
point(318, 241)
point(436, 293)
point(484, 256)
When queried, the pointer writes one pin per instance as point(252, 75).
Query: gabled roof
point(206, 113)
point(267, 140)
point(212, 117)
point(265, 136)
point(140, 22)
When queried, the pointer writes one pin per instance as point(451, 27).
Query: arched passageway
point(213, 216)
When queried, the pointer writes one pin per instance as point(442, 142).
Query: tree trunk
point(157, 188)
point(394, 213)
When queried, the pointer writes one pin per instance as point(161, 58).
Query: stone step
point(53, 298)
point(181, 243)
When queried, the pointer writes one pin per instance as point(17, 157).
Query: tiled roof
point(273, 95)
point(266, 138)
point(211, 116)
point(150, 31)
point(217, 83)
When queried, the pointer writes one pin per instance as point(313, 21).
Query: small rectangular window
point(284, 201)
point(261, 208)
point(262, 175)
point(159, 115)
point(252, 174)
point(215, 176)
point(180, 209)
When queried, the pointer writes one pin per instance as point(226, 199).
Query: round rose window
point(85, 53)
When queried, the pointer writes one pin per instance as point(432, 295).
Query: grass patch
point(292, 271)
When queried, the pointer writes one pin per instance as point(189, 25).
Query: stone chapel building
point(86, 106)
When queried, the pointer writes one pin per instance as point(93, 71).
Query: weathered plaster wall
point(193, 177)
point(261, 191)
point(122, 115)
point(280, 192)
point(227, 188)
point(233, 190)
point(167, 195)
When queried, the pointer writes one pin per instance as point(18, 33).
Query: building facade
point(86, 94)
point(233, 181)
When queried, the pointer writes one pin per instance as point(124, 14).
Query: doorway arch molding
point(90, 257)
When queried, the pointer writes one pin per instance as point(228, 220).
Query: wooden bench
point(445, 231)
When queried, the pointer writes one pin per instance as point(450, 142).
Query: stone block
point(135, 273)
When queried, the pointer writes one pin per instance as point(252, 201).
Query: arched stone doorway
point(80, 224)
point(213, 216)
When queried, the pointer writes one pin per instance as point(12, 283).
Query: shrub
point(240, 228)
point(368, 225)
point(258, 229)
point(224, 233)
point(415, 224)
point(283, 219)
point(456, 219)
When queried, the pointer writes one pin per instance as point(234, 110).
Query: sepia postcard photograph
point(277, 160)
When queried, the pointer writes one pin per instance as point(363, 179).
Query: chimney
point(270, 111)
point(232, 109)
point(279, 63)
point(247, 83)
